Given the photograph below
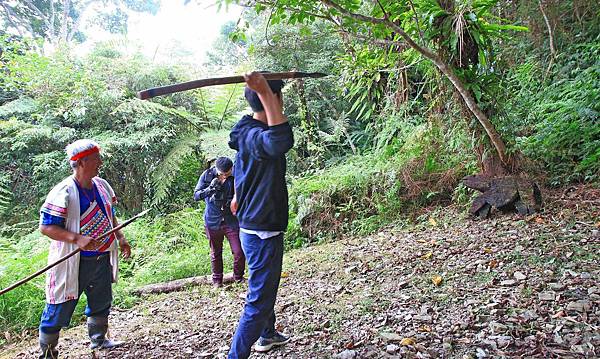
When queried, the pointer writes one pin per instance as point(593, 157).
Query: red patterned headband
point(85, 153)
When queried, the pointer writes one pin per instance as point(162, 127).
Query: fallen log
point(503, 193)
point(179, 284)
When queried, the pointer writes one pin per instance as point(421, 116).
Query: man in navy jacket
point(261, 203)
point(215, 187)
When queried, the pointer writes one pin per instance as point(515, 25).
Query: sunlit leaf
point(408, 341)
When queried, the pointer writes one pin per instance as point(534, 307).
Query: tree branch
point(551, 37)
point(377, 21)
point(77, 24)
point(227, 107)
point(267, 28)
point(52, 15)
point(412, 6)
point(493, 135)
point(385, 14)
point(42, 16)
point(65, 20)
point(273, 5)
point(401, 46)
point(9, 17)
point(179, 284)
point(550, 33)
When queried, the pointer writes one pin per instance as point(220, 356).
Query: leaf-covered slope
point(509, 287)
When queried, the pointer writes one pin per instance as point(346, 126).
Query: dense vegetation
point(384, 135)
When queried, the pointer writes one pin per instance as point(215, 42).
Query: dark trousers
point(215, 237)
point(95, 279)
point(265, 257)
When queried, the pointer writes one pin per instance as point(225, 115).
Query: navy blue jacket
point(217, 202)
point(260, 165)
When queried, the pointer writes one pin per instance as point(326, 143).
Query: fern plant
point(168, 171)
point(557, 122)
point(5, 192)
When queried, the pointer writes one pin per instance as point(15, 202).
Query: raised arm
point(278, 138)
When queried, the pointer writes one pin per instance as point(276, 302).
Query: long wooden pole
point(27, 279)
point(190, 85)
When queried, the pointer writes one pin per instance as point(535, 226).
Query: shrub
point(363, 193)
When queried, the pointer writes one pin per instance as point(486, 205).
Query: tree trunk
point(179, 284)
point(504, 194)
point(401, 96)
point(65, 21)
point(307, 121)
point(488, 161)
point(475, 109)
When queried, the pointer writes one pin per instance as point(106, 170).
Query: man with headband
point(77, 210)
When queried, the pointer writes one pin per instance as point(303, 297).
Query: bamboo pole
point(190, 85)
point(27, 279)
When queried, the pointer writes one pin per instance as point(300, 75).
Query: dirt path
point(506, 287)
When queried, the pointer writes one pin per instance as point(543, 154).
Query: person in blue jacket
point(261, 205)
point(215, 187)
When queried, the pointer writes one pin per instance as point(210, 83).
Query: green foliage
point(214, 144)
point(229, 50)
point(168, 171)
point(60, 21)
point(168, 248)
point(5, 192)
point(460, 34)
point(21, 308)
point(223, 104)
point(28, 151)
point(314, 107)
point(359, 195)
point(466, 34)
point(19, 108)
point(92, 98)
point(408, 134)
point(559, 121)
point(466, 30)
point(151, 152)
point(366, 71)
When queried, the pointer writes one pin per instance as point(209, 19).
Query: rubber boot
point(48, 343)
point(97, 329)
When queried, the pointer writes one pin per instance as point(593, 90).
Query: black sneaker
point(266, 344)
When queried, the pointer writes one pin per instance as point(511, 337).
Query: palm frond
point(166, 173)
point(336, 127)
point(136, 106)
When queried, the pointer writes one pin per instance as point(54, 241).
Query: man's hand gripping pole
point(25, 280)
